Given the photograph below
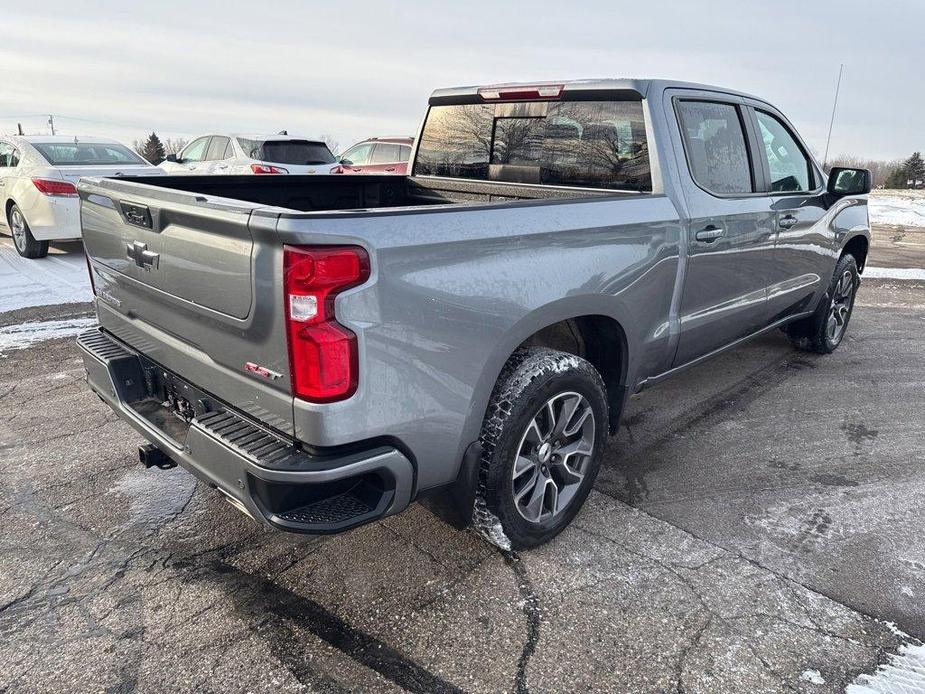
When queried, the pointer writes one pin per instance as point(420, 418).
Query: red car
point(377, 155)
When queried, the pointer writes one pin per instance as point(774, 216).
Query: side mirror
point(844, 181)
point(172, 158)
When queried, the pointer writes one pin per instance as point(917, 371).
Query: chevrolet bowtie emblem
point(143, 258)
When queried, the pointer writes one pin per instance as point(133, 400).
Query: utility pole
point(19, 127)
point(51, 122)
point(825, 160)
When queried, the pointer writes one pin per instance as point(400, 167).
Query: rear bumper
point(53, 218)
point(264, 474)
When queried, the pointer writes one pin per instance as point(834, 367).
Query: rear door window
point(405, 154)
point(595, 144)
point(714, 140)
point(789, 166)
point(385, 154)
point(217, 148)
point(6, 155)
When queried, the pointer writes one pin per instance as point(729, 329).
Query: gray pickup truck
point(326, 350)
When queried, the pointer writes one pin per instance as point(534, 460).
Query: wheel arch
point(588, 327)
point(857, 246)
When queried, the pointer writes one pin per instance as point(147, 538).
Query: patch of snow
point(903, 672)
point(900, 208)
point(812, 676)
point(59, 278)
point(894, 273)
point(27, 334)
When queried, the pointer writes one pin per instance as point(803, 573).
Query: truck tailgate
point(174, 279)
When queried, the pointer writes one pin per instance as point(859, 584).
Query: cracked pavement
point(756, 518)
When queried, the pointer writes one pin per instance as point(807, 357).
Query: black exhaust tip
point(152, 456)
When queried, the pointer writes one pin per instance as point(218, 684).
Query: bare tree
point(880, 170)
point(331, 142)
point(172, 145)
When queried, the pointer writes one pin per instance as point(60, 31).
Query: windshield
point(594, 144)
point(292, 152)
point(87, 154)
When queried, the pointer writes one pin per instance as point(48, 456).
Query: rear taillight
point(59, 189)
point(323, 361)
point(267, 169)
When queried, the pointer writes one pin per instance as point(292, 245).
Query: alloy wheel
point(840, 308)
point(18, 227)
point(553, 456)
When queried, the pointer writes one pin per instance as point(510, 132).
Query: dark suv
point(378, 155)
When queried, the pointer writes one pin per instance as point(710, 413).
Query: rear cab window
point(588, 144)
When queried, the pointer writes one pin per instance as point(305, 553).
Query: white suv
point(251, 154)
point(38, 194)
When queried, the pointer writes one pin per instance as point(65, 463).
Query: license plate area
point(169, 403)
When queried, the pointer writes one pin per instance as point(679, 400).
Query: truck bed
point(357, 192)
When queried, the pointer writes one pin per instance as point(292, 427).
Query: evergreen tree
point(153, 149)
point(915, 167)
point(912, 169)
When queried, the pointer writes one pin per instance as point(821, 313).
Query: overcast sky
point(354, 69)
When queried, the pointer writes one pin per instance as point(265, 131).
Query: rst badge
point(261, 371)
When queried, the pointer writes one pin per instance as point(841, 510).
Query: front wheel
point(25, 242)
point(824, 331)
point(542, 441)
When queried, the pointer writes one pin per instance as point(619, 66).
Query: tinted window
point(294, 152)
point(790, 170)
point(358, 155)
point(715, 143)
point(217, 148)
point(405, 154)
point(196, 150)
point(600, 144)
point(86, 153)
point(385, 154)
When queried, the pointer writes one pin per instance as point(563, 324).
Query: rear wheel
point(824, 331)
point(542, 442)
point(25, 242)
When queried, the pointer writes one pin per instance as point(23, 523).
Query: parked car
point(251, 154)
point(37, 177)
point(377, 155)
point(326, 350)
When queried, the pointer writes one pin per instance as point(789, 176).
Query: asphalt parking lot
point(757, 527)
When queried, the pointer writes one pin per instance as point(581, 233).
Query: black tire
point(25, 243)
point(815, 334)
point(532, 378)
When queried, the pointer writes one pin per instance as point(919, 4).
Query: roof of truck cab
point(628, 86)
